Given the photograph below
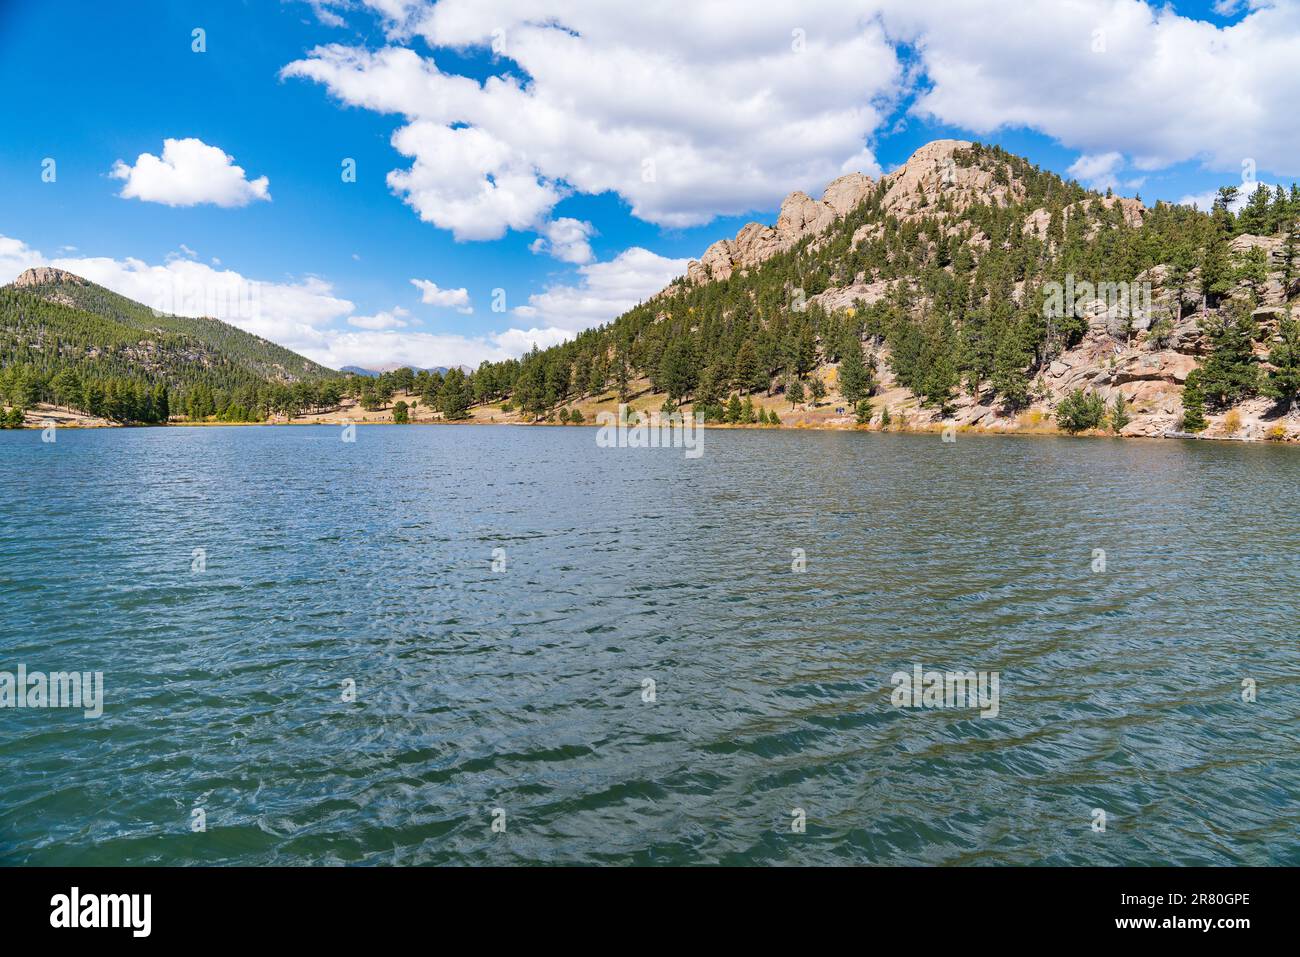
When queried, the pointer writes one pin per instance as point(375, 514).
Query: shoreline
point(801, 427)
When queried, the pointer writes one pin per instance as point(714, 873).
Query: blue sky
point(561, 142)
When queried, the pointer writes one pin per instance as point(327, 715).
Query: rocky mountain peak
point(800, 216)
point(48, 275)
point(936, 170)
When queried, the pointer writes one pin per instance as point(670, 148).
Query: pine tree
point(677, 373)
point(1008, 377)
point(1216, 270)
point(1193, 404)
point(1255, 218)
point(1119, 416)
point(855, 381)
point(746, 369)
point(1253, 270)
point(1283, 382)
point(1230, 374)
point(454, 399)
point(1079, 411)
point(794, 392)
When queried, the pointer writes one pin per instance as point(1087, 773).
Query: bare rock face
point(755, 243)
point(846, 192)
point(800, 216)
point(1272, 246)
point(1132, 210)
point(1171, 367)
point(1037, 223)
point(715, 264)
point(934, 171)
point(846, 297)
point(47, 275)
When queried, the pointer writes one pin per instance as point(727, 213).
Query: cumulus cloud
point(686, 112)
point(566, 239)
point(1099, 171)
point(432, 295)
point(374, 350)
point(303, 315)
point(1205, 201)
point(188, 173)
point(1114, 75)
point(391, 319)
point(606, 290)
point(469, 182)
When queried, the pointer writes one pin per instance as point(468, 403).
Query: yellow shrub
point(1276, 434)
point(1232, 422)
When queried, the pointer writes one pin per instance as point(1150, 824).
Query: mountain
point(62, 337)
point(207, 341)
point(393, 367)
point(967, 287)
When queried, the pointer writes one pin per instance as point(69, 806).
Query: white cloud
point(1115, 75)
point(189, 172)
point(1205, 201)
point(607, 290)
point(16, 256)
point(324, 10)
point(566, 239)
point(862, 162)
point(303, 315)
point(391, 319)
point(372, 350)
point(684, 110)
point(1099, 171)
point(687, 110)
point(432, 295)
point(467, 181)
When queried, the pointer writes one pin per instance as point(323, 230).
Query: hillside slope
point(966, 287)
point(68, 341)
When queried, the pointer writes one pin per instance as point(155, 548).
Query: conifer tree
point(1230, 373)
point(747, 412)
point(734, 410)
point(1283, 382)
point(794, 392)
point(1119, 416)
point(1193, 404)
point(855, 381)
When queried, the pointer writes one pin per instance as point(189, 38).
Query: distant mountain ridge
point(393, 367)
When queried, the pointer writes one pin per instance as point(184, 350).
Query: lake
point(506, 645)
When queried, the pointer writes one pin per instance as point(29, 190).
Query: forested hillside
point(940, 286)
point(966, 287)
point(70, 342)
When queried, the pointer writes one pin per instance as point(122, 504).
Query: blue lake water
point(517, 695)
